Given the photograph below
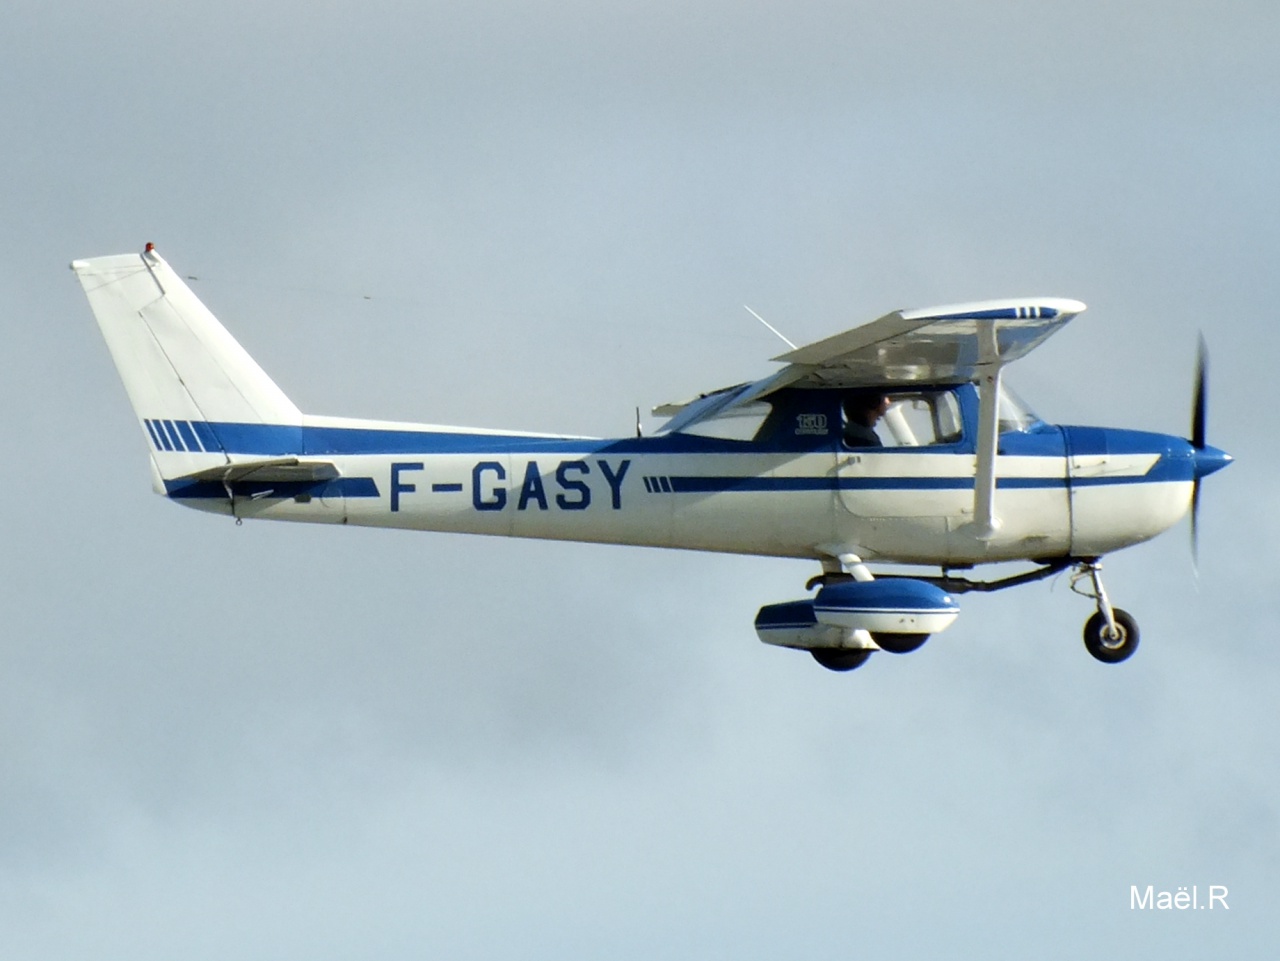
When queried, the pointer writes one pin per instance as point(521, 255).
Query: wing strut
point(985, 521)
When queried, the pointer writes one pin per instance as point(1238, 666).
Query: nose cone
point(1210, 459)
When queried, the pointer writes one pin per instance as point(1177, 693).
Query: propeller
point(1199, 412)
point(1207, 459)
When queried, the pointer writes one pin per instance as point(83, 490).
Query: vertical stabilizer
point(191, 384)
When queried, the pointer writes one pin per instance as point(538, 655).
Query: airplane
point(895, 444)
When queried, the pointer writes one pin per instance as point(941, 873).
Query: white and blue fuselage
point(1070, 491)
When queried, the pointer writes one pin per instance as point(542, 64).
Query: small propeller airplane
point(894, 443)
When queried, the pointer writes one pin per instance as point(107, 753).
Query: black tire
point(840, 658)
point(1107, 649)
point(900, 643)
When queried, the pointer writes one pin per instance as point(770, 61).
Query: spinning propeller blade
point(1199, 411)
point(1195, 525)
point(1201, 396)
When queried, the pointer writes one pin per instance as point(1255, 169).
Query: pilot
point(862, 409)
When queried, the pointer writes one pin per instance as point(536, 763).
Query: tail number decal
point(569, 487)
point(572, 485)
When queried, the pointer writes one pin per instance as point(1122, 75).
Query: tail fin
point(193, 387)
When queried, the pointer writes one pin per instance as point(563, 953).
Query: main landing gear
point(1110, 635)
point(837, 659)
point(855, 613)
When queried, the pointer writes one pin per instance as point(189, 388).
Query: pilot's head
point(865, 406)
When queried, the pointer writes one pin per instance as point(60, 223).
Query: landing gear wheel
point(900, 643)
point(840, 658)
point(1105, 647)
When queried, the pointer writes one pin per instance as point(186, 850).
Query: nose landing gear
point(1110, 635)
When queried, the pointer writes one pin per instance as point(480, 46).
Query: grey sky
point(287, 742)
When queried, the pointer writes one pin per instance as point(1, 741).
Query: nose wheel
point(1111, 645)
point(1110, 635)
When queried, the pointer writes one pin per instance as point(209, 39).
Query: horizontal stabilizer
point(283, 470)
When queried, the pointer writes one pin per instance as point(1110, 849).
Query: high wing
point(954, 344)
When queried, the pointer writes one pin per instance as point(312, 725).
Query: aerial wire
point(775, 330)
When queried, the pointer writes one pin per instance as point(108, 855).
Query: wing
point(933, 345)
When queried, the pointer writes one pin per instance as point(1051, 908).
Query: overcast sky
point(284, 742)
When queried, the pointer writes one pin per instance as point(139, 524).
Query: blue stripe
point(715, 485)
point(281, 439)
point(155, 436)
point(862, 608)
point(188, 435)
point(1029, 483)
point(265, 439)
point(789, 615)
point(1002, 313)
point(758, 484)
point(213, 490)
point(1161, 472)
point(208, 440)
point(172, 430)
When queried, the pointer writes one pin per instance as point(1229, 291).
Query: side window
point(901, 418)
point(923, 419)
point(739, 423)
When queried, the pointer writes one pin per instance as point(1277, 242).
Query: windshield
point(1015, 415)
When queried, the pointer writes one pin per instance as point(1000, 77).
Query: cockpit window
point(915, 418)
point(737, 423)
point(1014, 414)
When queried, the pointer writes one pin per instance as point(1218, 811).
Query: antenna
point(639, 432)
point(771, 327)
